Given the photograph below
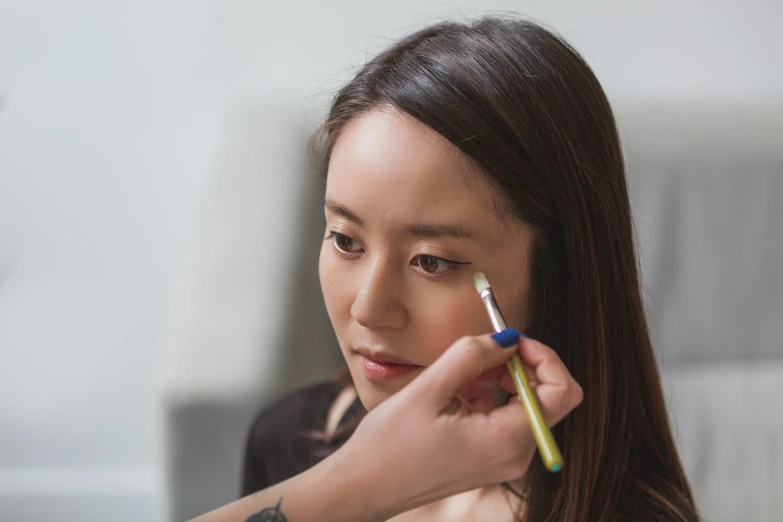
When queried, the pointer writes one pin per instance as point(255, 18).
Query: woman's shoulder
point(301, 410)
point(282, 436)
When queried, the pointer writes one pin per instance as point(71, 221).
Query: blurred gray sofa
point(706, 184)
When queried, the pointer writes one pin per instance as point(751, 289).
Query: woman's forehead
point(389, 165)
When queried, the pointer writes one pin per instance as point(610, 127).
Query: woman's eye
point(433, 265)
point(343, 243)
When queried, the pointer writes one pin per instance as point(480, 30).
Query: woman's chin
point(372, 393)
point(371, 396)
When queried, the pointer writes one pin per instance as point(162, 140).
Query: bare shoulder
point(297, 410)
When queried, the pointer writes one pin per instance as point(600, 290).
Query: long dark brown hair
point(526, 109)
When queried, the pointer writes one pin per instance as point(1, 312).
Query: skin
point(391, 171)
point(464, 451)
point(388, 288)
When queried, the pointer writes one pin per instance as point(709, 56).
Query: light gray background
point(113, 120)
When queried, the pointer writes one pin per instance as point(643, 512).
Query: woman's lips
point(382, 371)
point(380, 366)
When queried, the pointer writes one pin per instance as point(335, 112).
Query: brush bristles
point(480, 282)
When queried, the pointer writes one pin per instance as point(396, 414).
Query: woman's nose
point(378, 302)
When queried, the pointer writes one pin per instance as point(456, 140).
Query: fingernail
point(507, 338)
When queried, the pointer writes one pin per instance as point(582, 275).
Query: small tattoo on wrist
point(271, 514)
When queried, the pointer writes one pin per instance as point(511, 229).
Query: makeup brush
point(547, 447)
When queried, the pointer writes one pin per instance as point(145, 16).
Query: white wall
point(111, 119)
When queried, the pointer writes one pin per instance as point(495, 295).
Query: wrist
point(362, 494)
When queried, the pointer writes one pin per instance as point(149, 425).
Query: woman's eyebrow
point(337, 208)
point(412, 229)
point(436, 230)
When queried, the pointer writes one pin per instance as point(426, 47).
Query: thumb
point(462, 362)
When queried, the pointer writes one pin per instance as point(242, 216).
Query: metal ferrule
point(492, 309)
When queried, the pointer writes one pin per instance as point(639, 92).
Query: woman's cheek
point(445, 318)
point(335, 285)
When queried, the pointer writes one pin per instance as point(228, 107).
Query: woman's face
point(408, 222)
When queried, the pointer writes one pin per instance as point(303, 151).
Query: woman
point(486, 147)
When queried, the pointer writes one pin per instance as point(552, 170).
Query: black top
point(280, 443)
point(283, 441)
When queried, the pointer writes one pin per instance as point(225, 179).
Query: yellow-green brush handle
point(547, 446)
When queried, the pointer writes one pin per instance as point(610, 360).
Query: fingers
point(463, 362)
point(480, 358)
point(492, 374)
point(478, 396)
point(507, 382)
point(546, 365)
point(557, 391)
point(542, 366)
point(551, 374)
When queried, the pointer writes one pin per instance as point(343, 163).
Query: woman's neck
point(490, 503)
point(341, 403)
